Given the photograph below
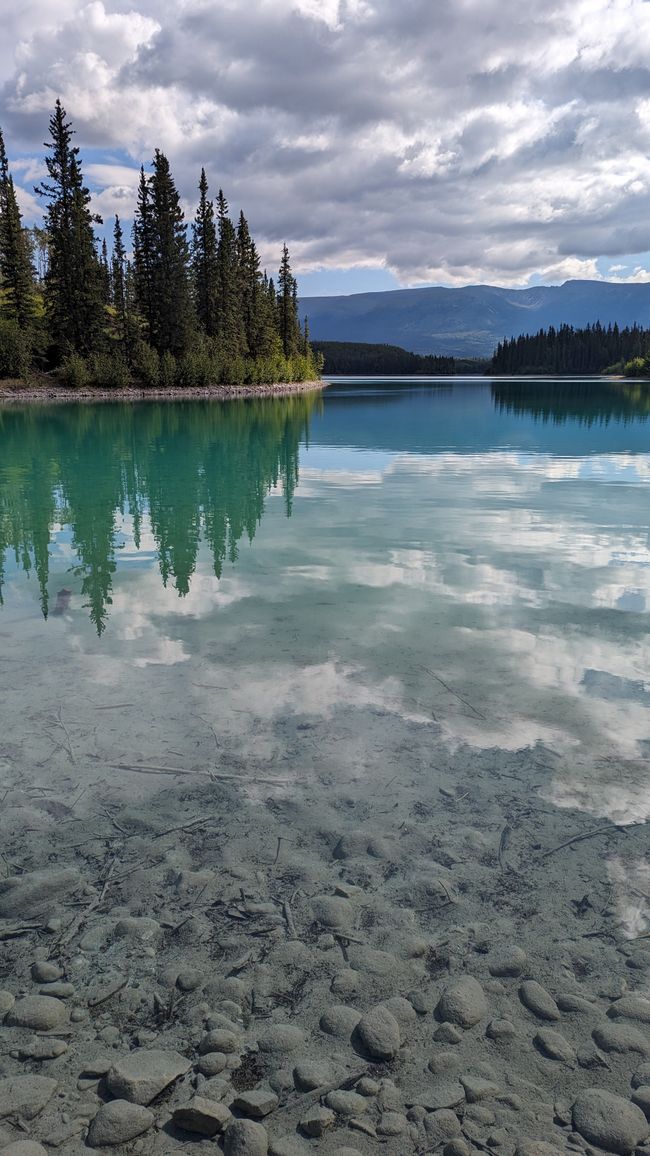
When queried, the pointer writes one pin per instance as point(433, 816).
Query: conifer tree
point(118, 287)
point(288, 307)
point(230, 329)
point(16, 270)
point(204, 261)
point(161, 255)
point(73, 294)
point(105, 274)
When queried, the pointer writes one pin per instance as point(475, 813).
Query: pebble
point(117, 1122)
point(138, 927)
point(310, 1074)
point(538, 1000)
point(379, 1033)
point(478, 1089)
point(641, 1097)
point(44, 972)
point(448, 1034)
point(346, 1103)
point(462, 1002)
point(219, 1040)
point(212, 1063)
point(189, 980)
point(23, 895)
point(367, 1086)
point(421, 1002)
point(245, 1138)
point(7, 1001)
point(507, 961)
point(567, 1002)
point(609, 1121)
point(346, 982)
point(444, 1062)
point(641, 1076)
point(402, 1009)
point(316, 1121)
point(392, 1124)
point(289, 1146)
point(554, 1045)
point(41, 1013)
point(340, 1021)
point(500, 1030)
point(441, 1125)
point(631, 1007)
point(144, 1073)
point(25, 1096)
point(332, 911)
point(621, 1038)
point(457, 1147)
point(256, 1103)
point(444, 1095)
point(281, 1038)
point(207, 1117)
point(42, 1049)
point(59, 990)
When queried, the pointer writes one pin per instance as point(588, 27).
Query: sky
point(446, 142)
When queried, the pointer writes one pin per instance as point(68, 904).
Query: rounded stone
point(24, 1148)
point(332, 911)
point(212, 1063)
point(281, 1038)
point(245, 1138)
point(379, 1033)
point(631, 1007)
point(507, 961)
point(310, 1074)
point(339, 1021)
point(346, 1103)
point(392, 1124)
point(462, 1002)
point(7, 1001)
point(41, 1013)
point(620, 1038)
point(641, 1076)
point(641, 1097)
point(536, 1148)
point(538, 1001)
point(219, 1040)
point(609, 1121)
point(317, 1121)
point(117, 1122)
point(553, 1045)
point(441, 1125)
point(500, 1030)
point(44, 972)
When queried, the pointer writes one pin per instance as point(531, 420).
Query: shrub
point(147, 365)
point(109, 371)
point(74, 371)
point(168, 373)
point(14, 350)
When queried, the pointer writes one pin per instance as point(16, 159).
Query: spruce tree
point(119, 289)
point(143, 255)
point(204, 261)
point(105, 274)
point(73, 292)
point(230, 329)
point(161, 255)
point(288, 307)
point(16, 270)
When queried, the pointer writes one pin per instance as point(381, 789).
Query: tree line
point(89, 467)
point(566, 350)
point(184, 306)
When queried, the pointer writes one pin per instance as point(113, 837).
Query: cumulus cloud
point(478, 140)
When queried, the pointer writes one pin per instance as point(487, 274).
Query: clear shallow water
point(471, 557)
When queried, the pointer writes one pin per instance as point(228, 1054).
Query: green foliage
point(14, 350)
point(178, 315)
point(355, 357)
point(75, 372)
point(108, 370)
point(566, 350)
point(146, 365)
point(637, 367)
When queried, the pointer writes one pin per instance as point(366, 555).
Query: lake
point(404, 624)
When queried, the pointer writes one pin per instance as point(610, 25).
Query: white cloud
point(505, 144)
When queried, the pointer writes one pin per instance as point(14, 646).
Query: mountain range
point(470, 321)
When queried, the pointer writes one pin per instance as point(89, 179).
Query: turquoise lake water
point(472, 553)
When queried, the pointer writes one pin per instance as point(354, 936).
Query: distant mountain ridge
point(469, 322)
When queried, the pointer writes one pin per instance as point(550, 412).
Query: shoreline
point(52, 393)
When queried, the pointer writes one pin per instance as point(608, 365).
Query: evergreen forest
point(98, 468)
point(173, 305)
point(568, 350)
point(357, 357)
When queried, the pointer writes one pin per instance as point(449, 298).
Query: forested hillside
point(187, 307)
point(566, 350)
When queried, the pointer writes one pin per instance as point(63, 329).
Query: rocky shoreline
point(47, 392)
point(284, 968)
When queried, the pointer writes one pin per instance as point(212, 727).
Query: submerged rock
point(143, 1074)
point(203, 1116)
point(25, 1096)
point(118, 1122)
point(538, 1000)
point(463, 1002)
point(379, 1033)
point(27, 894)
point(609, 1121)
point(41, 1013)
